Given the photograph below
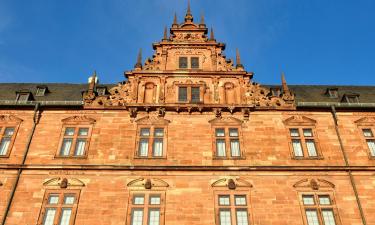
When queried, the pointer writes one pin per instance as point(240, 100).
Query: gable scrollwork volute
point(78, 120)
point(365, 121)
point(313, 184)
point(63, 182)
point(299, 120)
point(147, 183)
point(231, 183)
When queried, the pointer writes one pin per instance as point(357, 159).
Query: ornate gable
point(299, 120)
point(155, 82)
point(231, 183)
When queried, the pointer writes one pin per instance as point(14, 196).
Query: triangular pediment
point(314, 184)
point(365, 121)
point(148, 183)
point(231, 183)
point(9, 119)
point(59, 182)
point(152, 120)
point(227, 121)
point(78, 119)
point(299, 120)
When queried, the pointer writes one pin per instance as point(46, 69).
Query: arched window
point(229, 93)
point(149, 93)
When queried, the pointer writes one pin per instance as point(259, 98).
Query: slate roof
point(73, 92)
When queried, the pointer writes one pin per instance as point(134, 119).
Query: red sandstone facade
point(187, 139)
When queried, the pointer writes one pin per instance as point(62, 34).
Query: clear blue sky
point(313, 41)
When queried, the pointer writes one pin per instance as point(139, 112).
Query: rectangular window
point(303, 146)
point(40, 91)
point(151, 142)
point(6, 138)
point(195, 94)
point(318, 209)
point(182, 94)
point(183, 64)
point(189, 94)
point(59, 207)
point(370, 140)
point(232, 209)
point(74, 142)
point(227, 142)
point(194, 62)
point(146, 209)
point(23, 97)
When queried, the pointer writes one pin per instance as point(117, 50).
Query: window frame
point(303, 141)
point(189, 87)
point(75, 138)
point(189, 62)
point(19, 94)
point(365, 139)
point(40, 91)
point(146, 206)
point(3, 127)
point(317, 206)
point(151, 141)
point(232, 207)
point(59, 206)
point(227, 138)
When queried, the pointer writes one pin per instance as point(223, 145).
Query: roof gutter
point(334, 104)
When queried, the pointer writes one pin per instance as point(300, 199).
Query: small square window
point(220, 132)
point(294, 132)
point(145, 132)
point(367, 132)
point(101, 91)
point(183, 64)
point(240, 200)
point(194, 62)
point(307, 133)
point(324, 200)
point(69, 131)
point(233, 132)
point(139, 200)
point(333, 93)
point(23, 97)
point(69, 199)
point(154, 200)
point(53, 199)
point(308, 200)
point(159, 132)
point(83, 131)
point(224, 200)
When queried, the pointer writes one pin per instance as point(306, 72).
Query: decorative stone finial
point(175, 20)
point(138, 65)
point(64, 183)
point(238, 59)
point(231, 184)
point(202, 20)
point(189, 16)
point(283, 82)
point(212, 36)
point(165, 37)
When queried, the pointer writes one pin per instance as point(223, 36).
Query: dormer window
point(101, 90)
point(40, 91)
point(350, 98)
point(275, 92)
point(23, 96)
point(332, 92)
